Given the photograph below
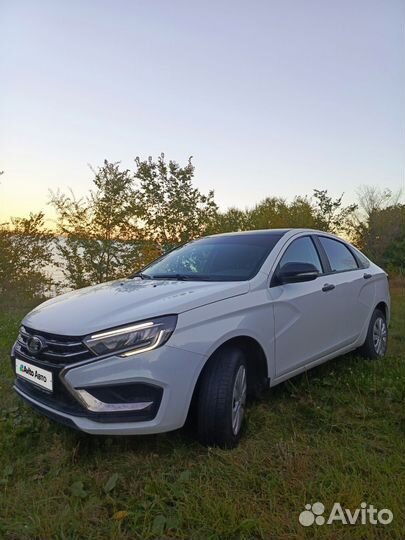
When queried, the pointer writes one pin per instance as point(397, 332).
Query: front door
point(304, 318)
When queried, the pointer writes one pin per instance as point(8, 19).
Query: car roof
point(258, 232)
point(288, 233)
point(264, 232)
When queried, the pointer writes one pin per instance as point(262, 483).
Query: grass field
point(334, 434)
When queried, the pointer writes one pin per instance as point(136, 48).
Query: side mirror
point(296, 272)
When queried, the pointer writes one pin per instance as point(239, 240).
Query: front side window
point(221, 258)
point(340, 257)
point(301, 250)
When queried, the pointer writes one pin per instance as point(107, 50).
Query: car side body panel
point(203, 330)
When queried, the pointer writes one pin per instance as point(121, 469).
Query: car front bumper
point(171, 372)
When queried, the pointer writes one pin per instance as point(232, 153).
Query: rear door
point(353, 294)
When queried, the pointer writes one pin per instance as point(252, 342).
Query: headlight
point(133, 339)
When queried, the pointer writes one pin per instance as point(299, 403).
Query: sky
point(270, 97)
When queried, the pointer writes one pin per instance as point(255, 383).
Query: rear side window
point(301, 250)
point(361, 259)
point(340, 257)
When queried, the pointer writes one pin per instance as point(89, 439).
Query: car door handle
point(367, 276)
point(328, 287)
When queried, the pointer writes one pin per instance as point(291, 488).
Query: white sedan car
point(200, 329)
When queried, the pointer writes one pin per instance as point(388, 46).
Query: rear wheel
point(376, 342)
point(222, 399)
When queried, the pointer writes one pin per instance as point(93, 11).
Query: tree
point(272, 212)
point(233, 220)
point(99, 234)
point(171, 209)
point(394, 253)
point(331, 215)
point(380, 230)
point(275, 212)
point(25, 257)
point(128, 219)
point(373, 198)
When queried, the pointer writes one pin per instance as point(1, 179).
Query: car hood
point(125, 301)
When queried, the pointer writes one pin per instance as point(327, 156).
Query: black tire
point(374, 348)
point(216, 405)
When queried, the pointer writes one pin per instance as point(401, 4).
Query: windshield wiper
point(179, 277)
point(183, 277)
point(141, 275)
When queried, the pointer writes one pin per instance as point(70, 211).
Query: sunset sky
point(271, 97)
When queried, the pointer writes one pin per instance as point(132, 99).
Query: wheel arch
point(257, 367)
point(382, 306)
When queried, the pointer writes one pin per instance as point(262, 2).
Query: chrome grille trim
point(58, 349)
point(54, 342)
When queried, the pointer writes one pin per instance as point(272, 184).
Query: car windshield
point(217, 258)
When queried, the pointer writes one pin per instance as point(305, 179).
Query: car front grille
point(61, 351)
point(56, 349)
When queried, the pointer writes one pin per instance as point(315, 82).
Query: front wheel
point(222, 399)
point(376, 342)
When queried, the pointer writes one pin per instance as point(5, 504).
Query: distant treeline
point(131, 217)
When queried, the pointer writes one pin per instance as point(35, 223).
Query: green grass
point(335, 433)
